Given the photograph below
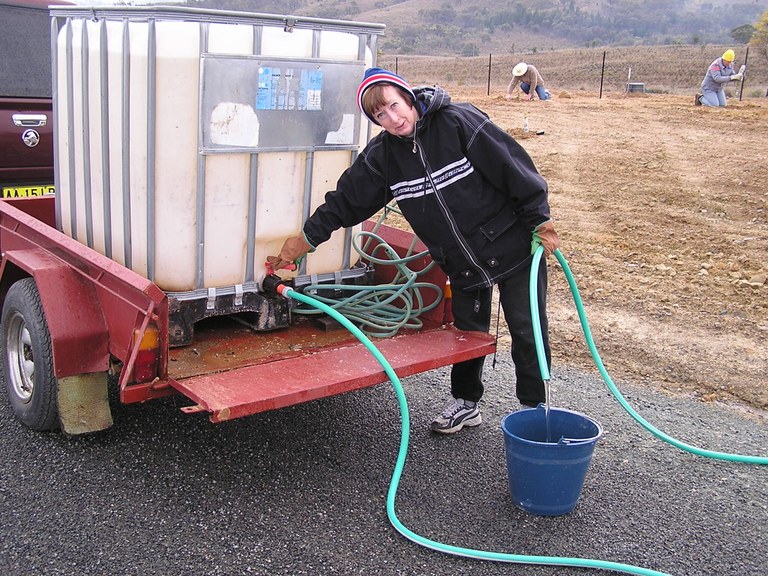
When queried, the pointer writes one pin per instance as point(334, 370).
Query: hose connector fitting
point(272, 283)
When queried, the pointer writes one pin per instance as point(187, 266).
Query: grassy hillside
point(472, 27)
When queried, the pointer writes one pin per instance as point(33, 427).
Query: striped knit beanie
point(377, 76)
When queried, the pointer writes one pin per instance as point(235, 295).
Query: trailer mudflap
point(83, 402)
point(232, 394)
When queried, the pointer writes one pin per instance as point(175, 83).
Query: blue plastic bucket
point(546, 477)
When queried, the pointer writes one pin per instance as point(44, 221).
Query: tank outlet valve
point(273, 284)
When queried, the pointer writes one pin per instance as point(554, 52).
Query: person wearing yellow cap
point(719, 73)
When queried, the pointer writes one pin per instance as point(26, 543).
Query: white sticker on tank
point(345, 133)
point(234, 124)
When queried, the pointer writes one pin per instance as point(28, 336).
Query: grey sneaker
point(457, 414)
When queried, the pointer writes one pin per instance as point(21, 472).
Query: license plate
point(25, 191)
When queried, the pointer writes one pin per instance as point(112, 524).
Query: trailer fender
point(76, 404)
point(79, 334)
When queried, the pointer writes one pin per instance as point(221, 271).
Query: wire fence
point(662, 69)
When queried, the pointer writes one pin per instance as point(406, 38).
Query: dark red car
point(26, 119)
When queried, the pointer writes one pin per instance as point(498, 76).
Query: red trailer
point(188, 144)
point(72, 317)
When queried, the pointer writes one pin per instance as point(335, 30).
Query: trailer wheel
point(27, 357)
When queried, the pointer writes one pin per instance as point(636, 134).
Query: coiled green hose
point(375, 309)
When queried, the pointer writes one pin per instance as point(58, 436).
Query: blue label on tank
point(312, 88)
point(289, 89)
point(265, 95)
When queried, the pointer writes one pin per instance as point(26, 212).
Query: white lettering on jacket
point(442, 178)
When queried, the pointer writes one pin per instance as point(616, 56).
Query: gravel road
point(303, 490)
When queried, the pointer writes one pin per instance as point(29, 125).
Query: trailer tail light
point(145, 367)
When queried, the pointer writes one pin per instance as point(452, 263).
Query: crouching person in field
point(719, 73)
point(530, 81)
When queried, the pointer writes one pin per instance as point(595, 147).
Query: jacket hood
point(431, 99)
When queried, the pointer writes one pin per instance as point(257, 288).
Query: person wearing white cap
point(472, 194)
point(530, 81)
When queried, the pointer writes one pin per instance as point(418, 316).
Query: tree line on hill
point(464, 27)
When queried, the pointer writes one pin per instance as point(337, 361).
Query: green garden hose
point(405, 428)
point(599, 363)
point(400, 463)
point(380, 310)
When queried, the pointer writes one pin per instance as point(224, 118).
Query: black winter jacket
point(470, 192)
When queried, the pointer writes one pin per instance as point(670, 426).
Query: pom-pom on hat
point(729, 55)
point(520, 69)
point(374, 76)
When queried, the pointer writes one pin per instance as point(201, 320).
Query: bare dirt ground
point(661, 211)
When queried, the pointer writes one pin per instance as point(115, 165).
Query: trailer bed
point(232, 371)
point(305, 363)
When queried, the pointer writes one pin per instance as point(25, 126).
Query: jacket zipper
point(449, 217)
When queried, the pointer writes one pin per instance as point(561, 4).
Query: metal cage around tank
point(191, 143)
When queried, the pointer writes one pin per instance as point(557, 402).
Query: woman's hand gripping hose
point(599, 363)
point(544, 235)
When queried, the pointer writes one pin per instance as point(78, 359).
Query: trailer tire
point(27, 357)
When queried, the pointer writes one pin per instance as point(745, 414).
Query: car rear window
point(25, 46)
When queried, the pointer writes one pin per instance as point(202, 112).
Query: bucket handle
point(576, 441)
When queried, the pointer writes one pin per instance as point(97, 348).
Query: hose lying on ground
point(400, 463)
point(405, 428)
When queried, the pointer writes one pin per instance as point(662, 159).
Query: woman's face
point(398, 116)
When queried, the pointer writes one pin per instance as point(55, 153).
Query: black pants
point(472, 311)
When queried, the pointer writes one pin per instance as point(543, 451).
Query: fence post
point(602, 75)
point(741, 87)
point(489, 75)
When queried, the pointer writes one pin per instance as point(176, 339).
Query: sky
point(122, 2)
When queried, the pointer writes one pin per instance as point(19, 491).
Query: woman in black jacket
point(472, 194)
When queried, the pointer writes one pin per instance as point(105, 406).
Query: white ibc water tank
point(191, 143)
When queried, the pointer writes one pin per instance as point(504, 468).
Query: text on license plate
point(24, 191)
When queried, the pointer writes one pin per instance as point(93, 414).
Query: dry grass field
point(663, 69)
point(662, 212)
